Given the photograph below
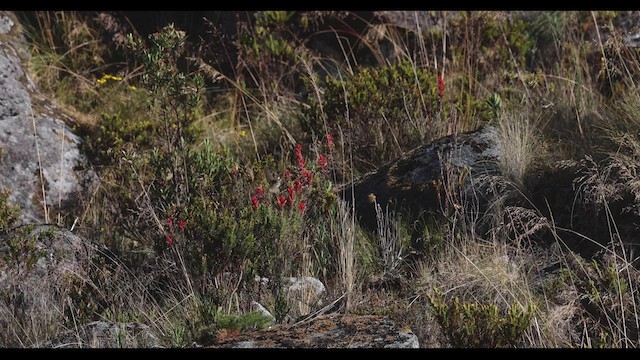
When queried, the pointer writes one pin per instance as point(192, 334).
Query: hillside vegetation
point(219, 155)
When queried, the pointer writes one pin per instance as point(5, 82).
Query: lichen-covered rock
point(327, 331)
point(417, 179)
point(6, 24)
point(103, 334)
point(34, 140)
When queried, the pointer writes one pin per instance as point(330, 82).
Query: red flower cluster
point(307, 176)
point(297, 180)
point(169, 240)
point(440, 86)
point(330, 142)
point(282, 201)
point(255, 199)
point(322, 161)
point(181, 225)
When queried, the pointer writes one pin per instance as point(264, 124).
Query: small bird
point(274, 188)
point(274, 181)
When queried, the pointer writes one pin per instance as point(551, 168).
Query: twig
point(41, 171)
point(322, 311)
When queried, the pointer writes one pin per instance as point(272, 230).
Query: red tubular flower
point(299, 158)
point(330, 142)
point(260, 191)
point(441, 86)
point(170, 222)
point(282, 201)
point(308, 176)
point(322, 161)
point(169, 240)
point(291, 196)
point(297, 185)
point(182, 224)
point(287, 174)
point(254, 202)
point(302, 206)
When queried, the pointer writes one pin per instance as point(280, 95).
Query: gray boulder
point(469, 162)
point(327, 331)
point(38, 149)
point(303, 294)
point(305, 284)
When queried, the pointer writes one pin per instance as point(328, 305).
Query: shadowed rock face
point(414, 180)
point(327, 331)
point(57, 154)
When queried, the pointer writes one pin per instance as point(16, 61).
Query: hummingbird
point(274, 181)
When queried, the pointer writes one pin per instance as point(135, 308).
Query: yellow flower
point(133, 87)
point(242, 133)
point(106, 77)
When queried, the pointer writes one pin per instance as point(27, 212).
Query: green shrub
point(209, 322)
point(381, 111)
point(481, 325)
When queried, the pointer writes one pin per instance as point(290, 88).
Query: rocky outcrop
point(38, 149)
point(41, 267)
point(327, 331)
point(102, 334)
point(303, 294)
point(6, 24)
point(468, 161)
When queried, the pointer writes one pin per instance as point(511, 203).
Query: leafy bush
point(381, 111)
point(481, 325)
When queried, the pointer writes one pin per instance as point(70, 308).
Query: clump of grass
point(520, 146)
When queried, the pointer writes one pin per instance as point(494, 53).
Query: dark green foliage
point(390, 110)
point(481, 325)
point(209, 320)
point(117, 134)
